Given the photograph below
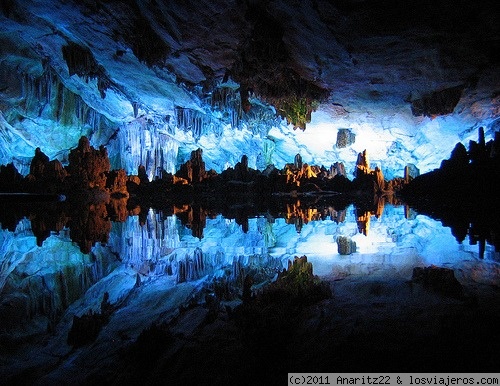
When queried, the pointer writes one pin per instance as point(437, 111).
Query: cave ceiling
point(347, 61)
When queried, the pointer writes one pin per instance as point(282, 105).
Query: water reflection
point(57, 262)
point(154, 243)
point(93, 223)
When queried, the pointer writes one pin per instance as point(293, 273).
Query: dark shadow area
point(463, 193)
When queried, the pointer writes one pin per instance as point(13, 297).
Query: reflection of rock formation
point(299, 213)
point(439, 279)
point(85, 328)
point(192, 267)
point(363, 222)
point(42, 284)
point(307, 192)
point(117, 209)
point(194, 218)
point(91, 225)
point(463, 192)
point(345, 137)
point(379, 203)
point(155, 249)
point(46, 222)
point(345, 245)
point(88, 223)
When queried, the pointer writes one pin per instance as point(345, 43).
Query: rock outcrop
point(345, 245)
point(88, 167)
point(462, 192)
point(438, 279)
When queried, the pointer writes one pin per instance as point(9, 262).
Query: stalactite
point(197, 122)
point(260, 119)
point(46, 95)
point(191, 267)
point(147, 143)
point(155, 249)
point(227, 100)
point(181, 272)
point(135, 107)
point(81, 62)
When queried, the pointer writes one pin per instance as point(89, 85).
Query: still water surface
point(42, 282)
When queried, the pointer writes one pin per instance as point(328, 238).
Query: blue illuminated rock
point(153, 82)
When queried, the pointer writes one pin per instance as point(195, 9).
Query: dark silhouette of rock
point(143, 176)
point(267, 319)
point(436, 103)
point(194, 169)
point(438, 279)
point(116, 183)
point(10, 178)
point(345, 137)
point(241, 170)
point(87, 327)
point(38, 164)
point(55, 173)
point(458, 161)
point(463, 192)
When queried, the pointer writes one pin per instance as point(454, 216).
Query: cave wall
point(153, 81)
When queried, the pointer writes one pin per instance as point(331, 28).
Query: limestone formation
point(87, 327)
point(362, 164)
point(38, 164)
point(439, 279)
point(345, 138)
point(411, 171)
point(116, 183)
point(337, 169)
point(55, 172)
point(440, 102)
point(297, 162)
point(194, 169)
point(345, 245)
point(88, 167)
